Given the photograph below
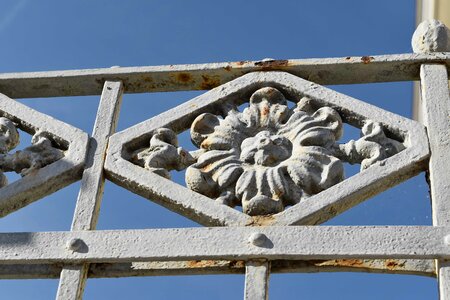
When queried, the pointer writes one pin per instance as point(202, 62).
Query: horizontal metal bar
point(26, 271)
point(420, 267)
point(212, 267)
point(343, 70)
point(205, 267)
point(237, 243)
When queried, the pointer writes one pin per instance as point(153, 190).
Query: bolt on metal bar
point(73, 277)
point(436, 112)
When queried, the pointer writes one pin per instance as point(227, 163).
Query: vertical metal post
point(436, 117)
point(257, 280)
point(73, 278)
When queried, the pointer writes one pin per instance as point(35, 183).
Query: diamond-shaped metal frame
point(52, 177)
point(315, 209)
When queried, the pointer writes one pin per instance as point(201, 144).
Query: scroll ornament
point(27, 161)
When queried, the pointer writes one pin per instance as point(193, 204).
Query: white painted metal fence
point(282, 165)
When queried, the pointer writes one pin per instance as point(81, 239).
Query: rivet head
point(258, 239)
point(74, 244)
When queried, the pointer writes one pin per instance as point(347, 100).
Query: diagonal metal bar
point(257, 280)
point(342, 70)
point(175, 197)
point(73, 278)
point(221, 243)
point(436, 110)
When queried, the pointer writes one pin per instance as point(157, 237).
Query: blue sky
point(57, 35)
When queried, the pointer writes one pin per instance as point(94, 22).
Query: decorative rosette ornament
point(268, 156)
